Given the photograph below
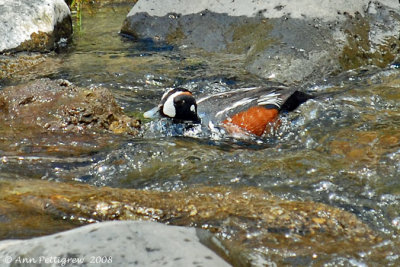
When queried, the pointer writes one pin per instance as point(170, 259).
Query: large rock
point(33, 25)
point(285, 40)
point(325, 9)
point(57, 117)
point(54, 116)
point(59, 106)
point(112, 244)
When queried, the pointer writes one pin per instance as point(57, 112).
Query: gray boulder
point(33, 25)
point(287, 41)
point(126, 243)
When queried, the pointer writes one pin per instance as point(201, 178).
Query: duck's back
point(222, 106)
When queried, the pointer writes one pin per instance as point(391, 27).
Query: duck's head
point(177, 104)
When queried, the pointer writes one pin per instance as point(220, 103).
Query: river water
point(341, 148)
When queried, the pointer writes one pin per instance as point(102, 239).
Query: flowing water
point(341, 148)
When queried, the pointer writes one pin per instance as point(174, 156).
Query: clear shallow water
point(342, 148)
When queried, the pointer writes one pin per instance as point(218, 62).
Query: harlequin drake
point(248, 109)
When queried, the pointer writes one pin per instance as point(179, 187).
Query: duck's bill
point(152, 113)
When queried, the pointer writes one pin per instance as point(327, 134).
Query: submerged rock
point(33, 25)
point(245, 218)
point(58, 106)
point(281, 40)
point(114, 244)
point(26, 66)
point(11, 65)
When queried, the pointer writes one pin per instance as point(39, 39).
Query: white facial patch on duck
point(169, 107)
point(193, 108)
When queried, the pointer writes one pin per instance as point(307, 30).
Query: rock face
point(58, 106)
point(325, 9)
point(113, 244)
point(27, 25)
point(283, 40)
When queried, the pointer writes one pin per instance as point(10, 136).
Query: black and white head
point(178, 104)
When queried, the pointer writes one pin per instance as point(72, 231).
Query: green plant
point(77, 6)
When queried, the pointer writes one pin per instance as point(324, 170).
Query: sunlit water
point(341, 148)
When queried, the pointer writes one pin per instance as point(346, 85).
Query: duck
point(250, 110)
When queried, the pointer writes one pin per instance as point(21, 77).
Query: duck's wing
point(219, 107)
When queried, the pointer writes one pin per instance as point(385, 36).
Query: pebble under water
point(341, 148)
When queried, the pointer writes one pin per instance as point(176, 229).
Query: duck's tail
point(295, 100)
